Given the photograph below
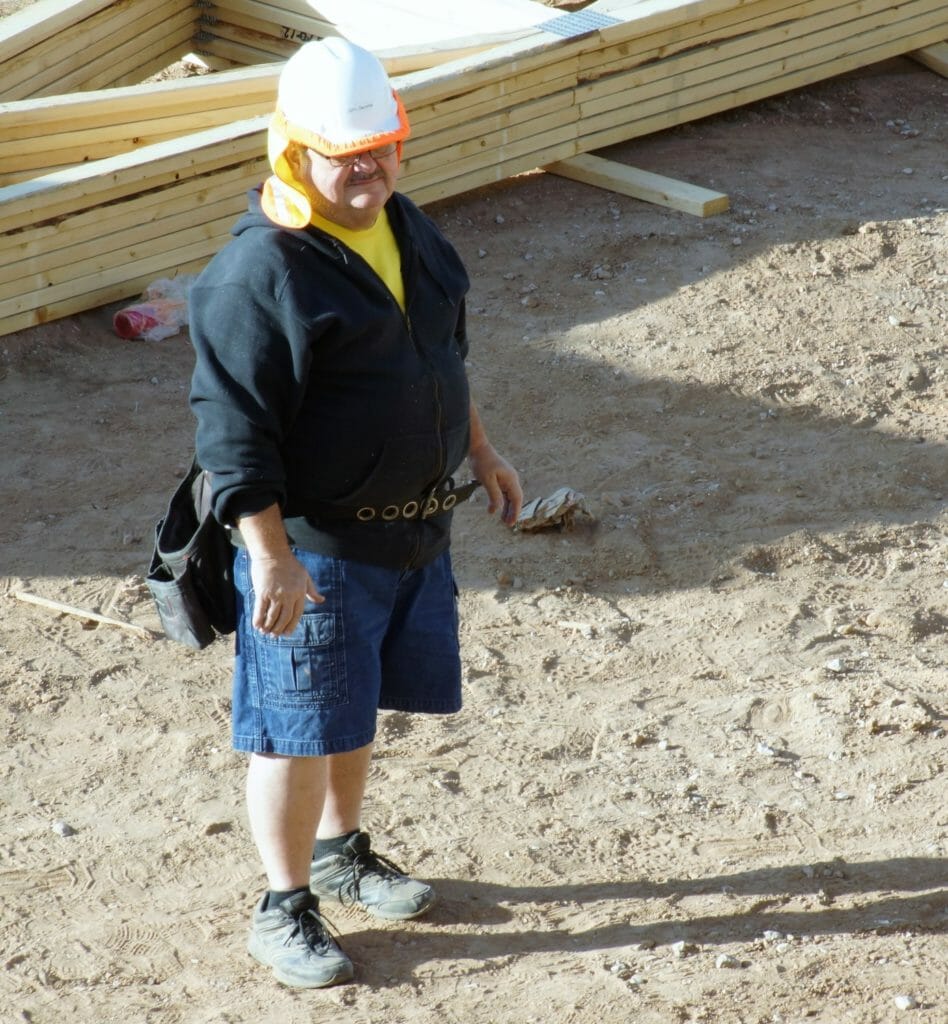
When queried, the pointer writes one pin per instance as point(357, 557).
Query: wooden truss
point(106, 185)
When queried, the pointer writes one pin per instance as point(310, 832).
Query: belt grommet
point(365, 514)
point(450, 500)
point(431, 506)
point(410, 510)
point(390, 512)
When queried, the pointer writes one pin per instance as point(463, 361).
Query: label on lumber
point(577, 24)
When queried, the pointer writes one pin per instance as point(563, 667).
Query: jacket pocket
point(404, 469)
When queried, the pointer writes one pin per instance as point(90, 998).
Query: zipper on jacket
point(439, 409)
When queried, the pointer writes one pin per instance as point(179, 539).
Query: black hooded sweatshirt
point(312, 388)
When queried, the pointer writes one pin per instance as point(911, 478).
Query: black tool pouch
point(191, 575)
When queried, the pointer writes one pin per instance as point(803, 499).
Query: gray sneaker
point(359, 876)
point(293, 940)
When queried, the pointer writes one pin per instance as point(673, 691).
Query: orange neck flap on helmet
point(284, 199)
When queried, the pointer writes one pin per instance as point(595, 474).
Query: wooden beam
point(131, 287)
point(608, 130)
point(528, 103)
point(177, 45)
point(41, 21)
point(236, 21)
point(934, 57)
point(68, 55)
point(832, 24)
point(120, 176)
point(100, 268)
point(129, 58)
point(243, 53)
point(44, 274)
point(279, 49)
point(611, 128)
point(166, 249)
point(503, 62)
point(23, 119)
point(50, 244)
point(26, 158)
point(487, 134)
point(639, 184)
point(652, 49)
point(302, 19)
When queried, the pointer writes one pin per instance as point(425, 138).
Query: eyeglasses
point(379, 153)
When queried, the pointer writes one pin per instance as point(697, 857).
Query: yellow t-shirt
point(377, 246)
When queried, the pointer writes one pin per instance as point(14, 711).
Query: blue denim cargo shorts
point(383, 639)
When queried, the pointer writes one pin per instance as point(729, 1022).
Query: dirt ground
point(700, 775)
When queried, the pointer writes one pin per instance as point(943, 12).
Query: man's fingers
point(495, 497)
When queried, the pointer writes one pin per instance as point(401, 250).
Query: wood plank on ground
point(639, 184)
point(934, 57)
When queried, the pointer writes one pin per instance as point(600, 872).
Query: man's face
point(352, 194)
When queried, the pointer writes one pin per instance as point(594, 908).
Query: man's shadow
point(484, 921)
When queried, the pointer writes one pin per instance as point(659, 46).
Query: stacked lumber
point(39, 136)
point(424, 33)
point(615, 71)
point(234, 33)
point(526, 105)
point(102, 232)
point(405, 37)
point(59, 46)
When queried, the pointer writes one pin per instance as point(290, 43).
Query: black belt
point(436, 502)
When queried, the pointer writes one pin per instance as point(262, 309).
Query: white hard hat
point(333, 97)
point(336, 97)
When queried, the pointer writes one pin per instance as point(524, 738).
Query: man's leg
point(344, 865)
point(285, 797)
point(345, 789)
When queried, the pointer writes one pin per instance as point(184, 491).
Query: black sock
point(325, 847)
point(275, 897)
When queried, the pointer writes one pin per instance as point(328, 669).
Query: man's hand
point(281, 584)
point(281, 587)
point(499, 478)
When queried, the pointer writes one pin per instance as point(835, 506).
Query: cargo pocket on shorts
point(307, 669)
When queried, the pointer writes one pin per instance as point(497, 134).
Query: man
point(333, 410)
